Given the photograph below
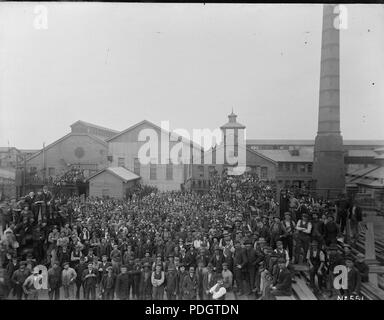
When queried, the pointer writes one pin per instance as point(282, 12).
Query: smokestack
point(328, 165)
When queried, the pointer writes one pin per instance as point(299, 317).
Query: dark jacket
point(284, 281)
point(108, 283)
point(354, 281)
point(363, 269)
point(189, 287)
point(122, 285)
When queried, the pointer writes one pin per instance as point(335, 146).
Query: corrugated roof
point(362, 153)
point(305, 155)
point(362, 171)
point(376, 174)
point(124, 173)
point(311, 142)
point(120, 172)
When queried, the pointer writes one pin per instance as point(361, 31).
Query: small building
point(113, 182)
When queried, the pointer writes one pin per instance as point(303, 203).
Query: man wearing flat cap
point(354, 278)
point(18, 278)
point(107, 284)
point(282, 286)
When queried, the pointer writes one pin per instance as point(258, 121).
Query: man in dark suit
point(354, 278)
point(89, 282)
point(282, 286)
point(252, 265)
point(209, 280)
point(355, 217)
point(239, 262)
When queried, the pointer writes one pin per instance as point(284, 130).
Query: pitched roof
point(305, 155)
point(120, 172)
point(65, 137)
point(93, 126)
point(156, 127)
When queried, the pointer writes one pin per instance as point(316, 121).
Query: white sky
point(117, 64)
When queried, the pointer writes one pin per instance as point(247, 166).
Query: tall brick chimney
point(328, 164)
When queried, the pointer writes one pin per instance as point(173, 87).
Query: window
point(152, 172)
point(309, 167)
point(51, 172)
point(201, 171)
point(294, 169)
point(136, 166)
point(281, 167)
point(264, 172)
point(287, 167)
point(33, 170)
point(302, 168)
point(120, 162)
point(169, 171)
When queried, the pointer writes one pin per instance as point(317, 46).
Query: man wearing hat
point(217, 261)
point(331, 230)
point(354, 278)
point(68, 278)
point(282, 286)
point(189, 285)
point(146, 282)
point(332, 259)
point(251, 271)
point(122, 284)
point(209, 280)
point(316, 260)
point(18, 278)
point(89, 277)
point(54, 281)
point(227, 277)
point(171, 281)
point(304, 228)
point(80, 268)
point(239, 263)
point(107, 284)
point(30, 285)
point(157, 279)
point(362, 267)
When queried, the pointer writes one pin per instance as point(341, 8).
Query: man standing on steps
point(354, 217)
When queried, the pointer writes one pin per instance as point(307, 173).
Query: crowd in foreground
point(232, 240)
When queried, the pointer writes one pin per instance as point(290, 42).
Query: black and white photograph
point(196, 153)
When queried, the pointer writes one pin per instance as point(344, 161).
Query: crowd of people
point(234, 239)
point(72, 176)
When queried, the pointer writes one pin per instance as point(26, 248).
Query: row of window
point(152, 169)
point(295, 167)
